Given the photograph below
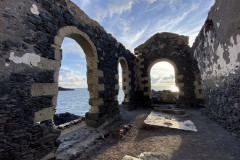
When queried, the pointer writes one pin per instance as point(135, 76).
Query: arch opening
point(163, 87)
point(120, 83)
point(73, 94)
point(89, 55)
point(123, 78)
point(163, 77)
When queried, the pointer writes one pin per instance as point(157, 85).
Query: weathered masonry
point(30, 58)
point(31, 35)
point(217, 50)
point(175, 50)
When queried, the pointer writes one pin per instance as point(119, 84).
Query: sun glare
point(174, 89)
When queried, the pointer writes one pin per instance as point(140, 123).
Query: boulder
point(64, 89)
point(64, 118)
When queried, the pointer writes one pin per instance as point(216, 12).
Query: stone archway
point(172, 48)
point(149, 76)
point(125, 78)
point(92, 72)
point(30, 66)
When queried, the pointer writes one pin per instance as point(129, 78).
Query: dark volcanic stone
point(64, 118)
point(164, 96)
point(64, 89)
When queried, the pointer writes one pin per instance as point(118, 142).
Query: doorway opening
point(120, 92)
point(163, 87)
point(73, 95)
point(123, 81)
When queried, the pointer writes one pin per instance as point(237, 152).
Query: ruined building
point(208, 74)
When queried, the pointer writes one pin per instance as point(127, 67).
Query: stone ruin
point(30, 58)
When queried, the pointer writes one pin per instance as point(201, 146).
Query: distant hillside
point(64, 89)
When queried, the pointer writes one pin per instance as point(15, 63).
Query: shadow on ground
point(211, 142)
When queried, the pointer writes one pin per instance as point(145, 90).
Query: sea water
point(76, 101)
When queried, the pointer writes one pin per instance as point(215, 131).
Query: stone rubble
point(165, 96)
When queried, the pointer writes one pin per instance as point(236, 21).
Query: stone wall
point(30, 58)
point(217, 50)
point(174, 49)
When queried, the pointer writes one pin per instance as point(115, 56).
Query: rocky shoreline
point(64, 89)
point(65, 118)
point(165, 96)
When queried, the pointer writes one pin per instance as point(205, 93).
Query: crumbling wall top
point(170, 38)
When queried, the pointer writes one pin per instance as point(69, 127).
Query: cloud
point(150, 1)
point(169, 79)
point(120, 6)
point(68, 79)
point(162, 74)
point(69, 46)
point(130, 38)
point(100, 14)
point(82, 3)
point(124, 26)
point(163, 80)
point(179, 18)
point(110, 8)
point(80, 66)
point(176, 22)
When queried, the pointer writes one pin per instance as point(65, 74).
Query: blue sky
point(132, 22)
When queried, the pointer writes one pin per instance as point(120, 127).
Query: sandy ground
point(211, 142)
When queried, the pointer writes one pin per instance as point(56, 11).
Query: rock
point(119, 133)
point(165, 96)
point(64, 89)
point(64, 118)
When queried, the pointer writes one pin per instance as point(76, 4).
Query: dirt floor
point(211, 142)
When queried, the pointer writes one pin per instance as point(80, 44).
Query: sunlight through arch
point(123, 78)
point(163, 77)
point(120, 82)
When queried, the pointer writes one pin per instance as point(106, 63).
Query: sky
point(132, 22)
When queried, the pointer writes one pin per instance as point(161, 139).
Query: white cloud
point(82, 3)
point(169, 24)
point(130, 38)
point(120, 6)
point(79, 65)
point(150, 1)
point(162, 74)
point(100, 14)
point(68, 79)
point(72, 47)
point(124, 26)
point(175, 21)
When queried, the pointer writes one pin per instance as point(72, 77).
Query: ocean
point(76, 101)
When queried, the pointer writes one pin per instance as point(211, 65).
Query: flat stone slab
point(148, 156)
point(158, 119)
